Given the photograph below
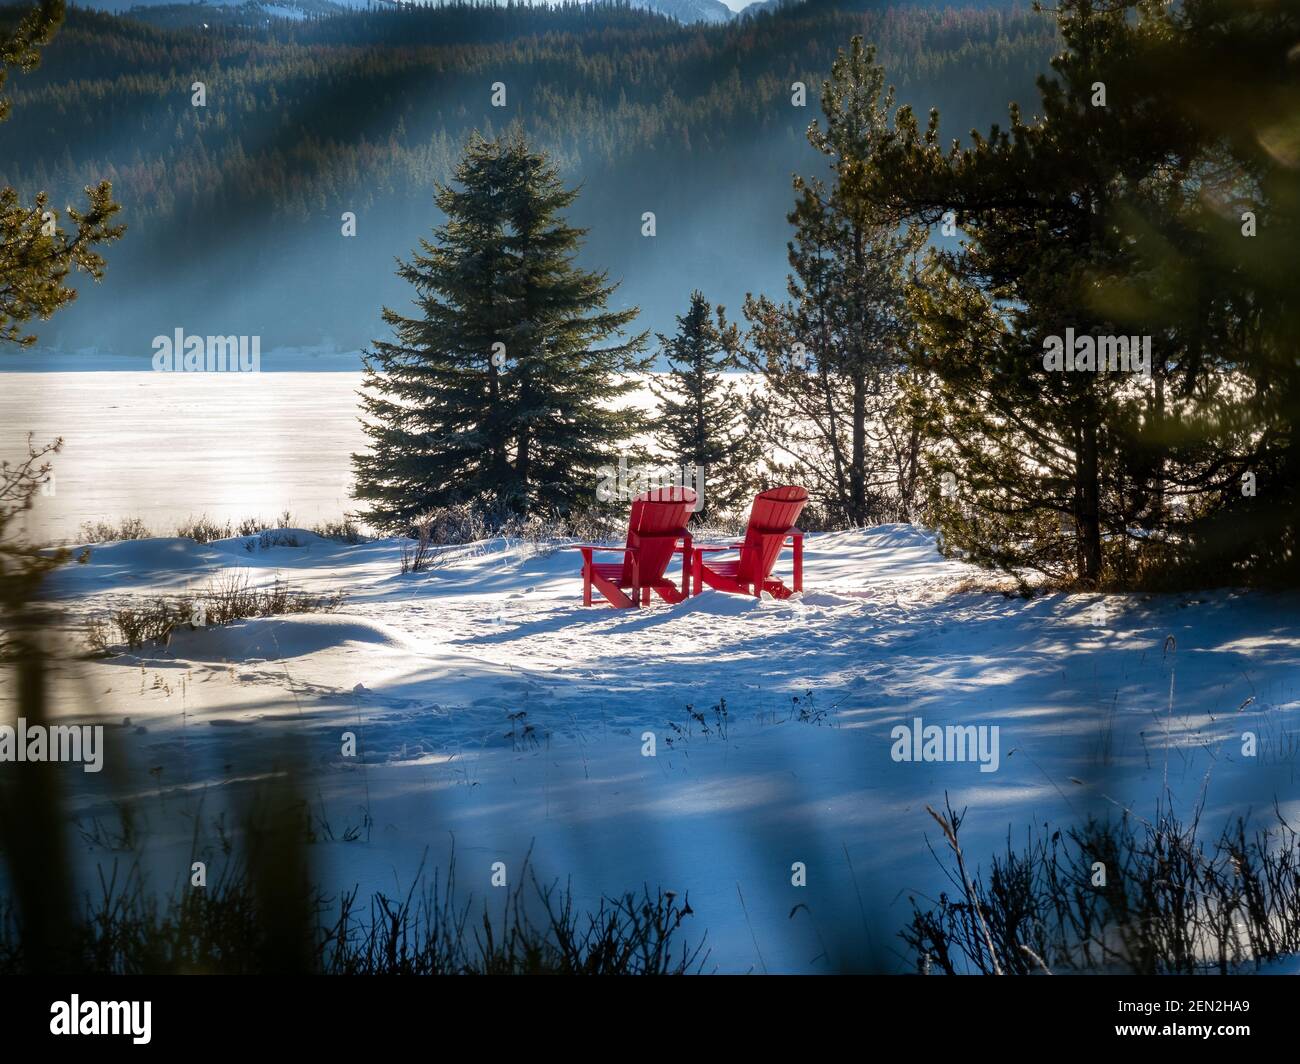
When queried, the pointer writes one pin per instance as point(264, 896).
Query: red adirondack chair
point(656, 530)
point(771, 526)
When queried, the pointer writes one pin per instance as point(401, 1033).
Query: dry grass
point(1171, 901)
point(204, 529)
point(224, 928)
point(227, 598)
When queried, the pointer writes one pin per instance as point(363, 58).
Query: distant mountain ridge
point(687, 11)
point(684, 11)
point(693, 122)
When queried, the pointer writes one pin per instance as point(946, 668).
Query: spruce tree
point(566, 368)
point(701, 422)
point(434, 395)
point(499, 391)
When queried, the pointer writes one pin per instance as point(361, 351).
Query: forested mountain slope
point(234, 208)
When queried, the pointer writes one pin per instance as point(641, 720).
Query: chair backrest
point(658, 518)
point(771, 519)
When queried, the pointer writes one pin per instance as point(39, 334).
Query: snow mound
point(827, 598)
point(148, 556)
point(160, 564)
point(271, 638)
point(716, 604)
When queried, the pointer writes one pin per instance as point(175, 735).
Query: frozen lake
point(167, 446)
point(162, 446)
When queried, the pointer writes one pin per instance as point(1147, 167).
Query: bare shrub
point(256, 526)
point(128, 528)
point(452, 525)
point(251, 526)
point(344, 531)
point(594, 525)
point(1170, 902)
point(278, 537)
point(229, 928)
point(203, 529)
point(420, 555)
point(231, 597)
point(471, 522)
point(152, 621)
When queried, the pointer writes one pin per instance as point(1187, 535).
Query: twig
point(951, 832)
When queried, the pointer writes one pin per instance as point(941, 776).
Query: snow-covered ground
point(491, 707)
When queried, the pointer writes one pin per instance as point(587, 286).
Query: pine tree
point(37, 251)
point(499, 391)
point(1106, 218)
point(1228, 69)
point(701, 423)
point(833, 357)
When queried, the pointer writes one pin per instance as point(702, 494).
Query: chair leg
point(645, 596)
point(798, 563)
point(586, 586)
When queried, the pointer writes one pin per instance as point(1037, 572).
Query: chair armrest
point(595, 546)
point(701, 550)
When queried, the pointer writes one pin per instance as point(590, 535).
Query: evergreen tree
point(1228, 69)
point(1105, 219)
point(37, 250)
point(434, 394)
point(499, 391)
point(566, 374)
point(701, 421)
point(833, 357)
